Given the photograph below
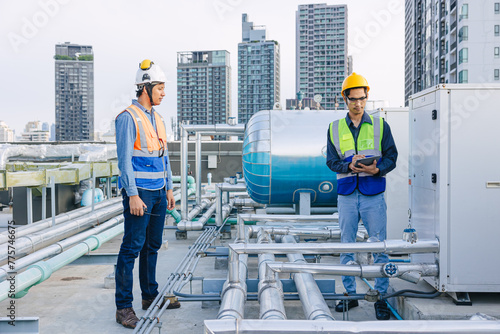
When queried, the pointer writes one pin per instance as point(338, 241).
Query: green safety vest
point(369, 143)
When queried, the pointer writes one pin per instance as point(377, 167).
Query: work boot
point(382, 312)
point(174, 303)
point(350, 304)
point(127, 317)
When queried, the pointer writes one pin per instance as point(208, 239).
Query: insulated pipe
point(195, 211)
point(313, 303)
point(270, 294)
point(219, 188)
point(255, 326)
point(42, 270)
point(248, 202)
point(234, 292)
point(367, 271)
point(284, 218)
point(30, 243)
point(190, 225)
point(215, 128)
point(60, 218)
point(387, 246)
point(328, 233)
point(198, 167)
point(291, 211)
point(184, 171)
point(58, 247)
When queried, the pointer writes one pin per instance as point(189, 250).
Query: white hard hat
point(149, 72)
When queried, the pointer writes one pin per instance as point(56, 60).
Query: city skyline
point(32, 28)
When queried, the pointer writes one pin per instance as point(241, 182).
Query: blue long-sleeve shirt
point(125, 139)
point(389, 150)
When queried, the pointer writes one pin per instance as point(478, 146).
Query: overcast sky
point(124, 32)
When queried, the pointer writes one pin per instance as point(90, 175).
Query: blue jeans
point(372, 210)
point(143, 235)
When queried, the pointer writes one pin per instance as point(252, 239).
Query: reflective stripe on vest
point(148, 163)
point(369, 144)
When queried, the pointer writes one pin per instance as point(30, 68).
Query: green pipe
point(18, 286)
point(177, 178)
point(174, 213)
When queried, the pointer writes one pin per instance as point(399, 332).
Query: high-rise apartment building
point(321, 52)
point(74, 74)
point(258, 71)
point(6, 133)
point(203, 87)
point(451, 41)
point(33, 131)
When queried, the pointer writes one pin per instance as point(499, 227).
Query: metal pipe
point(393, 310)
point(58, 247)
point(284, 218)
point(61, 218)
point(186, 265)
point(198, 168)
point(30, 243)
point(270, 293)
point(313, 303)
point(324, 232)
point(291, 211)
point(234, 292)
point(184, 171)
point(387, 246)
point(42, 270)
point(248, 202)
point(190, 225)
point(255, 326)
point(366, 271)
point(215, 128)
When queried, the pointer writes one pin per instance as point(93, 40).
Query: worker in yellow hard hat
point(361, 151)
point(146, 186)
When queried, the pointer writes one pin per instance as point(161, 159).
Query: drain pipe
point(42, 270)
point(60, 218)
point(270, 293)
point(30, 243)
point(313, 303)
point(58, 247)
point(184, 171)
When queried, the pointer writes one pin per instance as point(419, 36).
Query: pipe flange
point(390, 270)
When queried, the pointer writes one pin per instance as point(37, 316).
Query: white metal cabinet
point(454, 167)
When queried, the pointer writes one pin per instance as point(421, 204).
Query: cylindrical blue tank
point(284, 154)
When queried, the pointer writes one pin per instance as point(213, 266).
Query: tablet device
point(366, 161)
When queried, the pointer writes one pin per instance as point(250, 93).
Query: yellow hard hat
point(354, 81)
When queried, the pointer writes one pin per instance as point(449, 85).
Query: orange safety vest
point(150, 145)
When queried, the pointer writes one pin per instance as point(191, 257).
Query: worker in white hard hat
point(145, 183)
point(361, 150)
